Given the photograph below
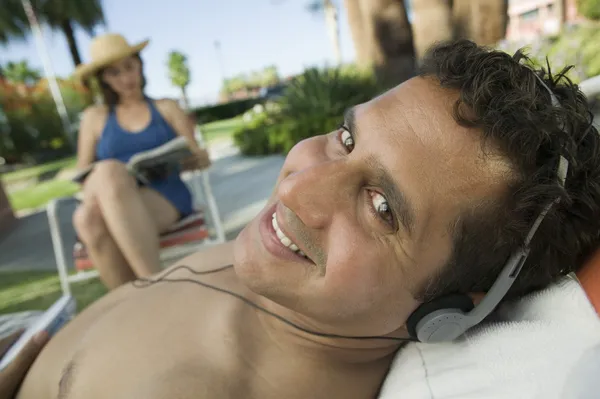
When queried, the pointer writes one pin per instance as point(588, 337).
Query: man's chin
point(246, 251)
point(252, 264)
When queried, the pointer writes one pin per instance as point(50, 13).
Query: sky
point(252, 34)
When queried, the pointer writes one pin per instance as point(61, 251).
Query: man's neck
point(304, 336)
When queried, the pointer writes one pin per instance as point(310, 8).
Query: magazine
point(154, 164)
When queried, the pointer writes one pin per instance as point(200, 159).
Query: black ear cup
point(452, 303)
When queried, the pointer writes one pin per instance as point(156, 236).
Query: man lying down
point(413, 208)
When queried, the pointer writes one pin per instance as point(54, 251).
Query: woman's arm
point(88, 136)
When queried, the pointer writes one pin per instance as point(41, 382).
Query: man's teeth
point(284, 239)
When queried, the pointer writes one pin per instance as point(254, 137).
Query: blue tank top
point(120, 144)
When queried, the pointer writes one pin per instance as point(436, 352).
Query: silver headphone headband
point(511, 270)
point(561, 170)
point(449, 323)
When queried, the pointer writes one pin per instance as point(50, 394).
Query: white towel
point(528, 352)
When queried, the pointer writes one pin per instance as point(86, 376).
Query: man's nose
point(317, 191)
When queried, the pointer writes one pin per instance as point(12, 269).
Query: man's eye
point(382, 208)
point(346, 139)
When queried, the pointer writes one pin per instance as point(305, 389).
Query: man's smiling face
point(372, 206)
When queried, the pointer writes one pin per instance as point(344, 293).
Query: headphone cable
point(146, 282)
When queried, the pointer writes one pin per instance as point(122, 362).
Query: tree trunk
point(561, 13)
point(357, 31)
point(390, 38)
point(491, 17)
point(461, 19)
point(333, 26)
point(482, 21)
point(67, 29)
point(432, 22)
point(184, 97)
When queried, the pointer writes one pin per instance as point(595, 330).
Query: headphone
point(448, 317)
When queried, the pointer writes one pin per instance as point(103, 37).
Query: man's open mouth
point(285, 240)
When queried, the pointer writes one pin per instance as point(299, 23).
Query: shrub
point(31, 126)
point(589, 8)
point(312, 104)
point(253, 138)
point(224, 111)
point(576, 45)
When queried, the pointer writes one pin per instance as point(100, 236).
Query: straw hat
point(105, 50)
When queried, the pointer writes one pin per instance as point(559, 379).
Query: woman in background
point(120, 222)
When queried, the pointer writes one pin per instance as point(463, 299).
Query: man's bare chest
point(147, 346)
point(177, 343)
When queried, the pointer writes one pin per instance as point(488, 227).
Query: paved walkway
point(241, 186)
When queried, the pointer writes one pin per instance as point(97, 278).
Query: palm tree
point(62, 15)
point(382, 37)
point(13, 22)
point(21, 72)
point(483, 21)
point(65, 15)
point(329, 9)
point(332, 23)
point(179, 72)
point(432, 22)
point(357, 30)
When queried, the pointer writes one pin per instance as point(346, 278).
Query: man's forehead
point(421, 110)
point(424, 148)
point(418, 98)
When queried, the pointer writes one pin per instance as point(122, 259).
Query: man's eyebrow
point(350, 120)
point(394, 194)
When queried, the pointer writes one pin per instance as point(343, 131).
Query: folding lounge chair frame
point(183, 238)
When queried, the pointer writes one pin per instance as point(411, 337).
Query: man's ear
point(476, 297)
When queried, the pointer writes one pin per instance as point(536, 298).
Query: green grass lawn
point(38, 170)
point(221, 130)
point(21, 291)
point(41, 193)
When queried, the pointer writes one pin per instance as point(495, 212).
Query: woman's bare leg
point(134, 216)
point(101, 247)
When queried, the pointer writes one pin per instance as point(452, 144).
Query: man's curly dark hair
point(501, 97)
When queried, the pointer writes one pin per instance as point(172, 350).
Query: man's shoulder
point(208, 259)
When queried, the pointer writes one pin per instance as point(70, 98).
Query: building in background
point(528, 19)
